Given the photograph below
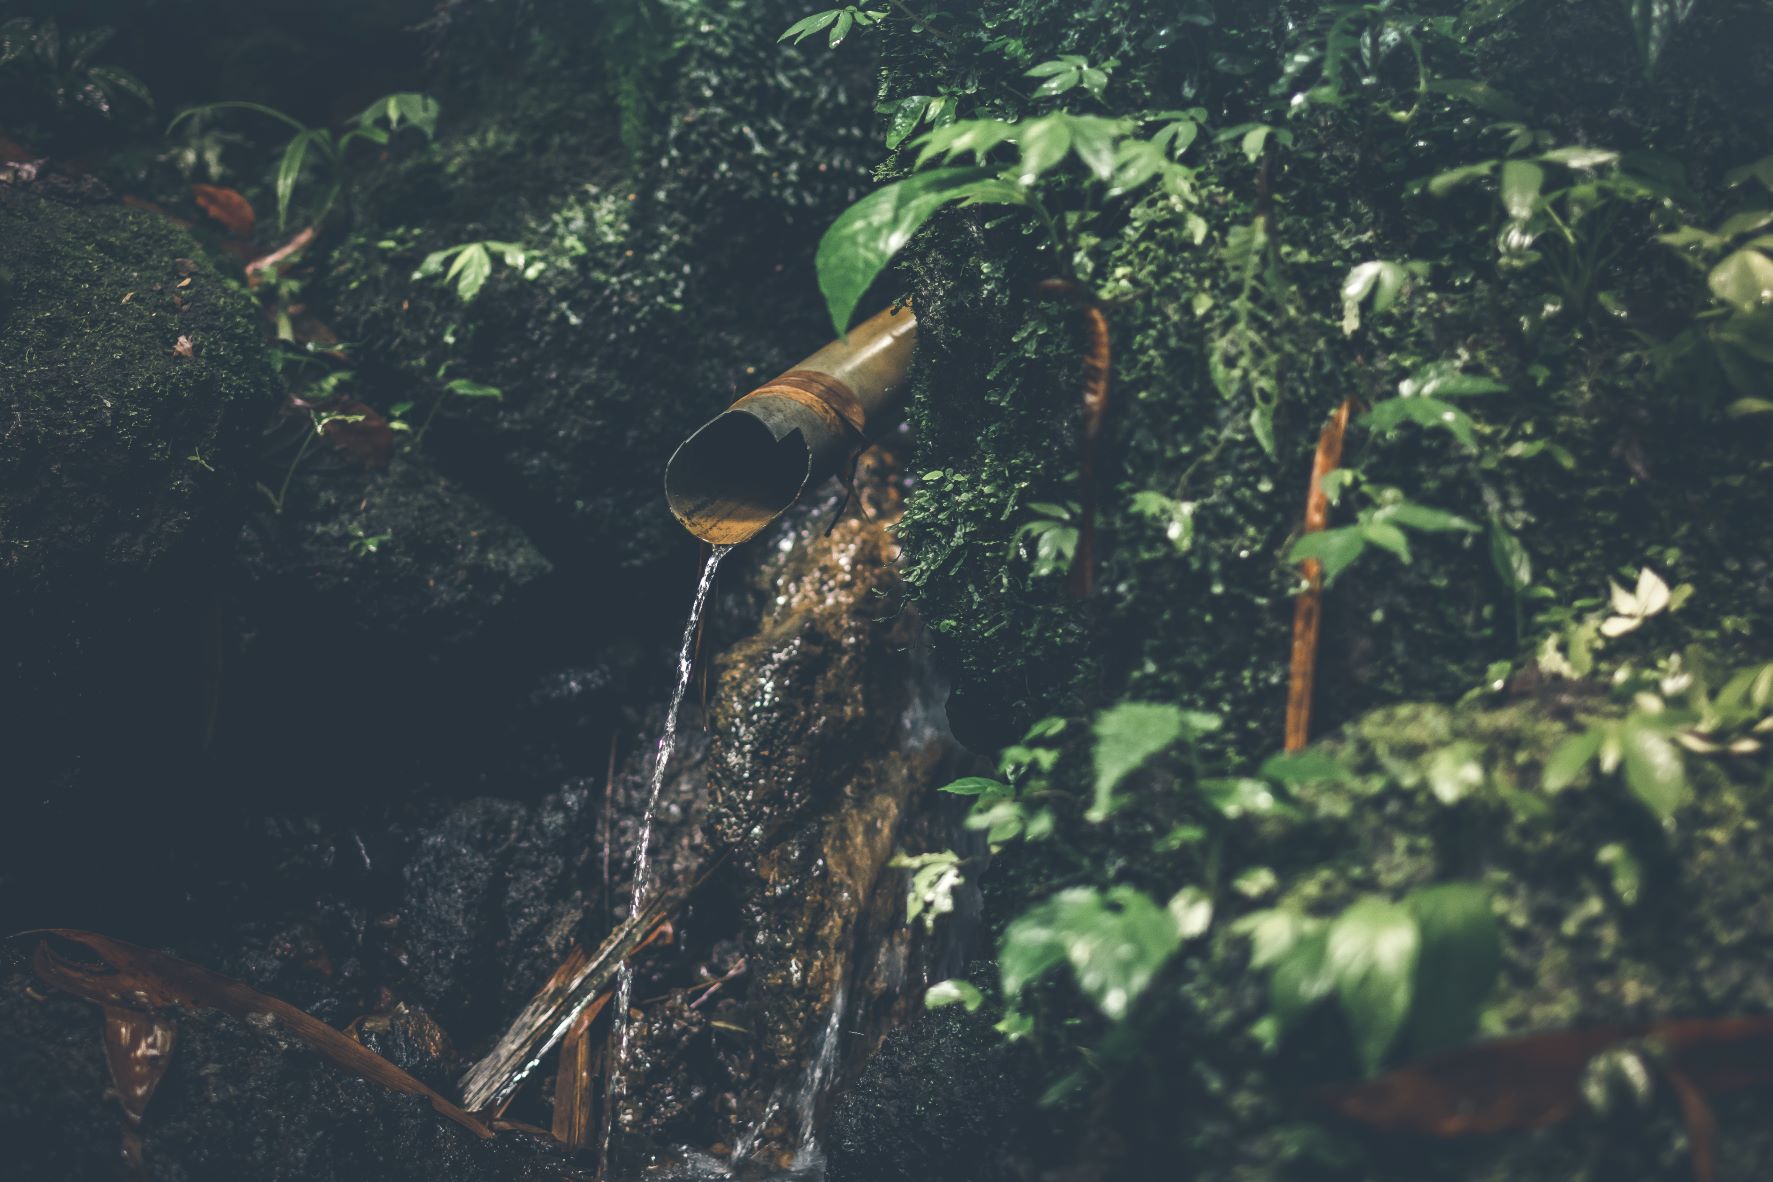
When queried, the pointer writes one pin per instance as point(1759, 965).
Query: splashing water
point(643, 857)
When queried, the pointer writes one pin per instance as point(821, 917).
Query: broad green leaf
point(1044, 142)
point(907, 114)
point(1744, 280)
point(846, 20)
point(1521, 184)
point(1334, 548)
point(1302, 977)
point(1460, 957)
point(1239, 796)
point(470, 270)
point(1254, 141)
point(1273, 933)
point(977, 136)
point(471, 389)
point(867, 235)
point(1126, 736)
point(945, 993)
point(1371, 953)
point(1115, 942)
point(1761, 170)
point(1093, 138)
point(1653, 768)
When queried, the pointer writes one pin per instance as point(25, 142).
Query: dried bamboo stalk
point(1309, 607)
point(569, 993)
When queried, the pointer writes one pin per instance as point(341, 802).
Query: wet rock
point(940, 1102)
point(410, 1039)
point(399, 553)
point(494, 895)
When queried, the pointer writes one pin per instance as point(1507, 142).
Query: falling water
point(643, 858)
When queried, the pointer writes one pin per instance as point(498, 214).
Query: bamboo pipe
point(747, 465)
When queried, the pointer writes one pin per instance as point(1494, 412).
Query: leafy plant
point(1112, 160)
point(38, 57)
point(1735, 336)
point(375, 124)
point(1561, 206)
point(1054, 536)
point(1115, 942)
point(1129, 734)
point(839, 20)
point(1380, 524)
point(934, 878)
point(1422, 966)
point(1379, 283)
point(1067, 72)
point(470, 264)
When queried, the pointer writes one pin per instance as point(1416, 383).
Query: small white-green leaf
point(946, 993)
point(1744, 280)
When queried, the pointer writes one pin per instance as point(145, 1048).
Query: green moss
point(119, 442)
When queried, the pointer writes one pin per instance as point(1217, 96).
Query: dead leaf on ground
point(224, 205)
point(184, 347)
point(130, 977)
point(362, 434)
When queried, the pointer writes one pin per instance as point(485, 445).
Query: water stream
point(637, 894)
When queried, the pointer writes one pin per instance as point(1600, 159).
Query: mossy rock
point(131, 374)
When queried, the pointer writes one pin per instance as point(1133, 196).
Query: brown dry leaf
point(1535, 1081)
point(183, 347)
point(128, 976)
point(369, 440)
point(255, 270)
point(226, 206)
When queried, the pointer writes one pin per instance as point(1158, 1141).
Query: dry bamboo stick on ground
point(1308, 609)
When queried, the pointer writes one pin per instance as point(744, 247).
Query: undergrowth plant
point(376, 124)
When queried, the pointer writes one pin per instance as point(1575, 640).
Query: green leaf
point(945, 993)
point(1044, 142)
point(1461, 955)
point(867, 235)
point(1455, 771)
point(1510, 558)
point(1446, 182)
point(1115, 942)
point(845, 22)
point(806, 26)
point(1371, 953)
point(1238, 796)
point(907, 114)
point(1521, 184)
point(289, 170)
point(1422, 517)
point(975, 786)
point(1302, 977)
point(469, 389)
point(1654, 769)
point(1389, 415)
point(1580, 158)
point(1744, 280)
point(1334, 548)
point(1126, 736)
point(1254, 141)
point(470, 270)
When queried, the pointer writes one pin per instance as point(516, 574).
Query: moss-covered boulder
point(132, 374)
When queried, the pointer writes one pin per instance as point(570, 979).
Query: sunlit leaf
point(1371, 952)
